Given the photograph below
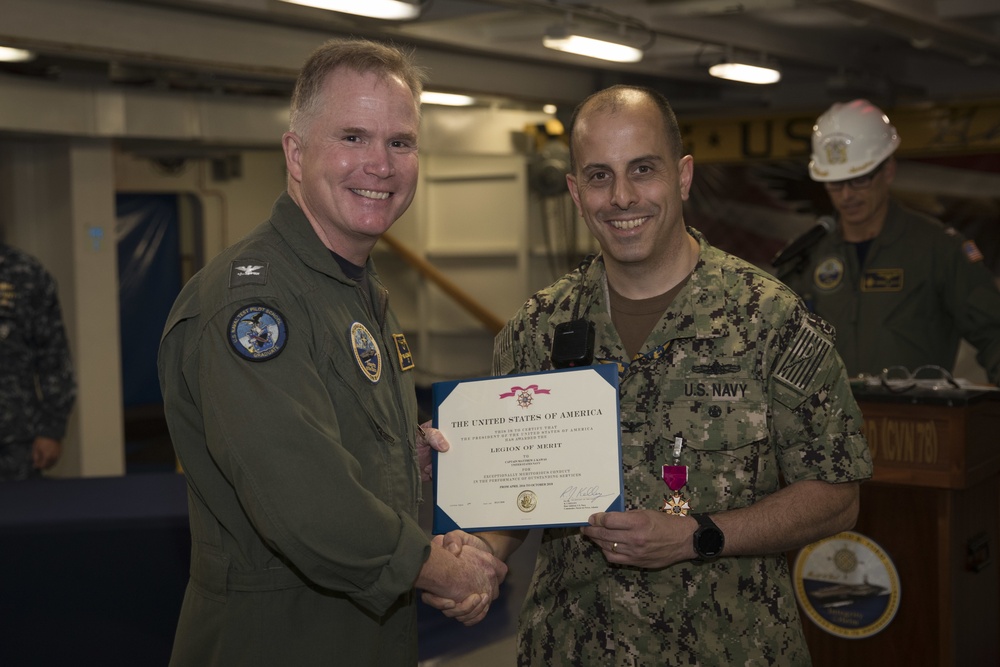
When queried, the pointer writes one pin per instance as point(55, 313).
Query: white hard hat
point(850, 140)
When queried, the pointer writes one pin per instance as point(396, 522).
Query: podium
point(933, 505)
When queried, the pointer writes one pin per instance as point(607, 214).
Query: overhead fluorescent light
point(446, 99)
point(12, 55)
point(561, 38)
point(734, 71)
point(392, 10)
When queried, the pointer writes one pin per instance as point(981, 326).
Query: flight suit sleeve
point(975, 301)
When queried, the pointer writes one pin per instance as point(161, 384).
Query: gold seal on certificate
point(528, 451)
point(527, 501)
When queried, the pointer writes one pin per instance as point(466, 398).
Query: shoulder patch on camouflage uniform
point(503, 351)
point(803, 357)
point(245, 271)
point(823, 326)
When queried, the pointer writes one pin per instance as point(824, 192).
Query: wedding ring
point(614, 548)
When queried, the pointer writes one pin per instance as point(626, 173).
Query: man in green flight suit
point(289, 396)
point(900, 288)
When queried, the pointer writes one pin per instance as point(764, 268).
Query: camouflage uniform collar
point(696, 312)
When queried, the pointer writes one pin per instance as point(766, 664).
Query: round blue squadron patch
point(258, 333)
point(366, 352)
point(829, 273)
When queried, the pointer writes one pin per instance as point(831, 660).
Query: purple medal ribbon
point(675, 476)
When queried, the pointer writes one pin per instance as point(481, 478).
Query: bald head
point(614, 100)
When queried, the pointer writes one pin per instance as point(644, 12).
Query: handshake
point(462, 577)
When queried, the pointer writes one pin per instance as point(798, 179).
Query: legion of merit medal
point(676, 477)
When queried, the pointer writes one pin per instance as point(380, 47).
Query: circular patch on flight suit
point(258, 333)
point(366, 352)
point(847, 585)
point(829, 273)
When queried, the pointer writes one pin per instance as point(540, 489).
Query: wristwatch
point(708, 539)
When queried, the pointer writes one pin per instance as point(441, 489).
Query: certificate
point(528, 451)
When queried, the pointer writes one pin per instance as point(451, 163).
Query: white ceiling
point(896, 52)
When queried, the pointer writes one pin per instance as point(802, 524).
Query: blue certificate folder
point(530, 450)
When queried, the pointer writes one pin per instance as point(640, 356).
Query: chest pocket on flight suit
point(363, 408)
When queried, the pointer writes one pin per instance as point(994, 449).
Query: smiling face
point(629, 185)
point(353, 169)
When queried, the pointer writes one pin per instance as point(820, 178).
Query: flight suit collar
point(293, 226)
point(892, 231)
point(894, 226)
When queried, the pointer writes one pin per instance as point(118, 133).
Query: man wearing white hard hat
point(901, 288)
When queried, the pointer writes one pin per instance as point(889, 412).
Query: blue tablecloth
point(93, 571)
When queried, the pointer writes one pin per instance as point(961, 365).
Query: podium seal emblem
point(847, 585)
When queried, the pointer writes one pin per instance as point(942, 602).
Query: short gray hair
point(360, 55)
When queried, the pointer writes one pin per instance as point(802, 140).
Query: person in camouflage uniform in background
point(724, 374)
point(37, 387)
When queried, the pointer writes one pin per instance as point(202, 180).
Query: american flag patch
point(972, 251)
point(805, 355)
point(503, 351)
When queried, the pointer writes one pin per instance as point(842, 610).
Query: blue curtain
point(149, 273)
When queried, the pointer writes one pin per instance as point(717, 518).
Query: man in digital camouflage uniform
point(37, 387)
point(901, 288)
point(727, 380)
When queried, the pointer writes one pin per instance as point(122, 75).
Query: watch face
point(709, 541)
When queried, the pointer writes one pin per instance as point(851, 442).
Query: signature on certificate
point(573, 493)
